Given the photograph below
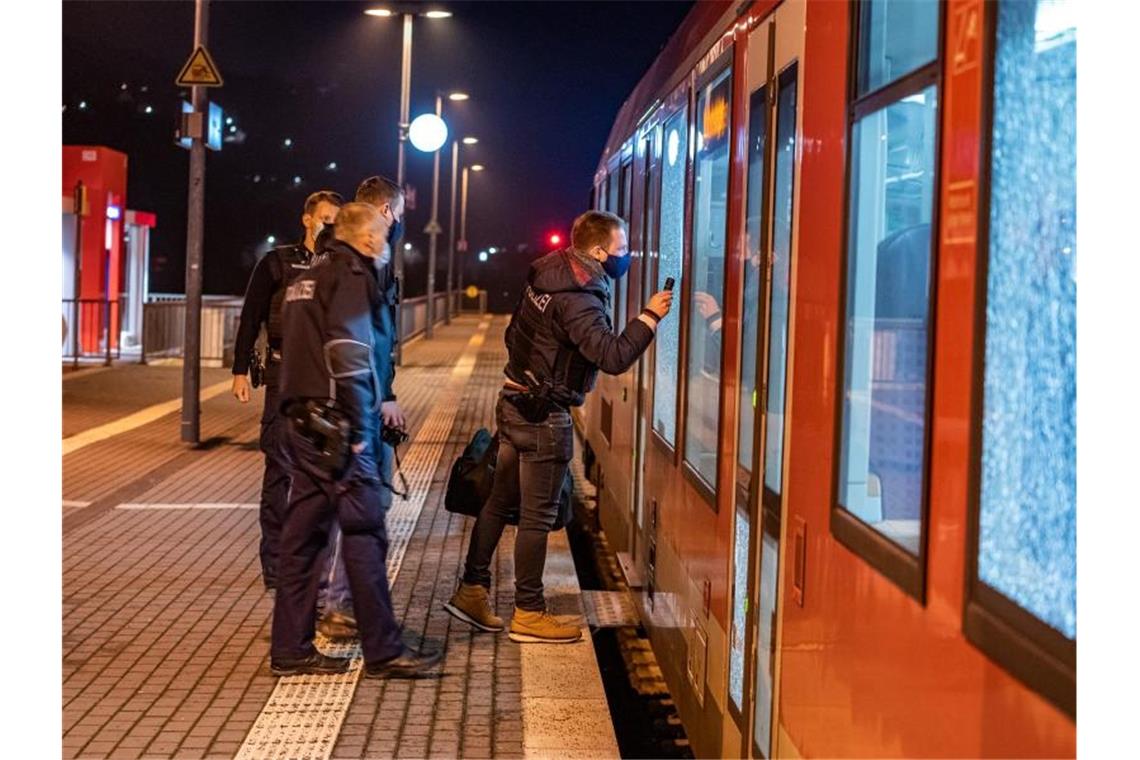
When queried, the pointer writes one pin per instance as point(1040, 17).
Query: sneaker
point(337, 626)
point(470, 604)
point(410, 663)
point(541, 627)
point(314, 664)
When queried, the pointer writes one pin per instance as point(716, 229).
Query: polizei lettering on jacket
point(540, 301)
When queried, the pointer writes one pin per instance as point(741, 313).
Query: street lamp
point(408, 11)
point(451, 225)
point(463, 218)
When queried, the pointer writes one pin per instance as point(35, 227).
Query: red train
point(842, 483)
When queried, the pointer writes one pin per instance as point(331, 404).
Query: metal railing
point(89, 329)
point(164, 328)
point(414, 315)
point(467, 305)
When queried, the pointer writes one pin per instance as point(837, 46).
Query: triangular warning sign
point(199, 71)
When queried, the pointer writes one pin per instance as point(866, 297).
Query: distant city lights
point(492, 249)
point(233, 128)
point(83, 105)
point(288, 142)
point(407, 246)
point(271, 239)
point(229, 120)
point(148, 109)
point(331, 166)
point(482, 255)
point(296, 180)
point(257, 178)
point(470, 140)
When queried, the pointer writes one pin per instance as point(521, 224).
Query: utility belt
point(257, 365)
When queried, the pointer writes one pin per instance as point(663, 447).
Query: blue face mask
point(617, 266)
point(395, 232)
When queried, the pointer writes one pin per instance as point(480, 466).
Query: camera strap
point(400, 472)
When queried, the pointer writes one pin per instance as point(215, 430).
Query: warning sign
point(199, 71)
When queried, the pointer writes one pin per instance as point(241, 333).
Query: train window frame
point(1035, 653)
point(723, 62)
point(892, 560)
point(680, 101)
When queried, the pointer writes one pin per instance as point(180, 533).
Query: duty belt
point(273, 354)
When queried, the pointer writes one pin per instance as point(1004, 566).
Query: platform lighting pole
point(433, 228)
point(463, 225)
point(451, 233)
point(405, 107)
point(191, 354)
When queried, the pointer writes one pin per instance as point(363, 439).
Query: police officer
point(330, 371)
point(559, 337)
point(335, 600)
point(263, 298)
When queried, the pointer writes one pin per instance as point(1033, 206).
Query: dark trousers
point(356, 502)
point(532, 464)
point(275, 482)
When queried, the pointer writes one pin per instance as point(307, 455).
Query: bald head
point(362, 226)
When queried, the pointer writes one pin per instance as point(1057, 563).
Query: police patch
point(540, 301)
point(301, 291)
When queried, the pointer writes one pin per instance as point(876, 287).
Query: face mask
point(617, 266)
point(395, 232)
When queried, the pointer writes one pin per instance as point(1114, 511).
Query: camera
point(393, 436)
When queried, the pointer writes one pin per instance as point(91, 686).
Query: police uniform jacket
point(335, 346)
point(263, 298)
point(561, 334)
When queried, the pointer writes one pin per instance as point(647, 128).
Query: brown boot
point(541, 628)
point(471, 605)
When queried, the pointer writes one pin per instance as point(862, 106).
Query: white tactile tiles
point(303, 716)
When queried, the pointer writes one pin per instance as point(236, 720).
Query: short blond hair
point(353, 219)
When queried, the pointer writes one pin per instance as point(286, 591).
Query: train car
point(842, 482)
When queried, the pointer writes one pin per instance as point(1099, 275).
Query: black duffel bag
point(473, 474)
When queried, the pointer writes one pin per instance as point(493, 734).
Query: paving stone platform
point(166, 624)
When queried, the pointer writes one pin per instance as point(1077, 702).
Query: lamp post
point(407, 11)
point(451, 225)
point(463, 218)
point(433, 228)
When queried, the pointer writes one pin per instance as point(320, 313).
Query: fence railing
point(90, 329)
point(164, 325)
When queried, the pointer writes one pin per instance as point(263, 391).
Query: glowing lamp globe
point(428, 133)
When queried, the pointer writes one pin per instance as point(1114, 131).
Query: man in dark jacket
point(332, 370)
point(335, 599)
point(558, 339)
point(263, 299)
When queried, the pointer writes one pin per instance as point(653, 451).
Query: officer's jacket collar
point(357, 260)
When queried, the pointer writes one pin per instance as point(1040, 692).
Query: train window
point(710, 217)
point(896, 37)
point(670, 255)
point(1024, 530)
point(885, 343)
point(781, 279)
point(613, 205)
point(739, 610)
point(753, 251)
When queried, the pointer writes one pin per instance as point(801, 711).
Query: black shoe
point(337, 627)
point(410, 663)
point(314, 664)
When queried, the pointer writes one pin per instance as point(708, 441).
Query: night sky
point(546, 80)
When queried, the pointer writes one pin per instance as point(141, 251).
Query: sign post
point(198, 74)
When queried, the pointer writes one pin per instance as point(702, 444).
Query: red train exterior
point(862, 663)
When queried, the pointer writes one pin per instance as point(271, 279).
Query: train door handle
point(799, 559)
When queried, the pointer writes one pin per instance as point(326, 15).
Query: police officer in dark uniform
point(334, 601)
point(263, 299)
point(331, 393)
point(559, 337)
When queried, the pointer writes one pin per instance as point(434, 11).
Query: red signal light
point(555, 238)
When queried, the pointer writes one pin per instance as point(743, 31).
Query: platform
point(166, 624)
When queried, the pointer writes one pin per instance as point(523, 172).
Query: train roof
point(681, 53)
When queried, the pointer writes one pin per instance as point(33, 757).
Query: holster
point(533, 407)
point(328, 429)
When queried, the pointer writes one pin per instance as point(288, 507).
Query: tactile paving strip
point(303, 716)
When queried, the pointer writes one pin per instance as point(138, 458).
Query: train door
point(648, 278)
point(774, 51)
